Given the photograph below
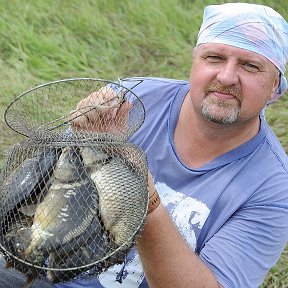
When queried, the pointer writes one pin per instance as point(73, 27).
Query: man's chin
point(222, 121)
point(220, 117)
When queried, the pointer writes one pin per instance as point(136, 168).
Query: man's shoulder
point(133, 82)
point(275, 152)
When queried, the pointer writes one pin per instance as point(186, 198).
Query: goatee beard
point(221, 111)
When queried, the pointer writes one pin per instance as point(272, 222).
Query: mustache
point(218, 87)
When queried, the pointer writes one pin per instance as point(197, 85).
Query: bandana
point(253, 27)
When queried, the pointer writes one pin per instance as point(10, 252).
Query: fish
point(121, 192)
point(66, 211)
point(95, 250)
point(25, 183)
point(91, 254)
point(18, 238)
point(19, 195)
point(20, 228)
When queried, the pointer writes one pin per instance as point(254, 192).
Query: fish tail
point(29, 280)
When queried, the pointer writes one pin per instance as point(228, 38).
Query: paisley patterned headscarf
point(253, 27)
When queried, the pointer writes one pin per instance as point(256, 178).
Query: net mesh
point(72, 201)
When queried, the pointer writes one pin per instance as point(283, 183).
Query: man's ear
point(276, 83)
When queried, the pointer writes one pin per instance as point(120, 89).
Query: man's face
point(230, 85)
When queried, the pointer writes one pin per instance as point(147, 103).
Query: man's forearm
point(167, 259)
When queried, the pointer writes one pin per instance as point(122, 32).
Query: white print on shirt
point(187, 213)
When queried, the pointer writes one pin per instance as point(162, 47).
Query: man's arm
point(167, 259)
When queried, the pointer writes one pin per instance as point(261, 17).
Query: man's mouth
point(223, 95)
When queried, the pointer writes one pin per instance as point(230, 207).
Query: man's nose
point(228, 74)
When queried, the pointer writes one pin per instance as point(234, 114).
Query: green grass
point(42, 41)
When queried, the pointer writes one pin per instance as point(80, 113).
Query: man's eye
point(251, 67)
point(214, 58)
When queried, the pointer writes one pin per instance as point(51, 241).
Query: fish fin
point(28, 210)
point(51, 276)
point(29, 280)
point(9, 264)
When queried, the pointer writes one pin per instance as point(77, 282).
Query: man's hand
point(102, 111)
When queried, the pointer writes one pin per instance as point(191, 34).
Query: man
point(219, 169)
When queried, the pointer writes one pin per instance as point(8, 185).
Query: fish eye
point(19, 247)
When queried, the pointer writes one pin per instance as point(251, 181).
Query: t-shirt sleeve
point(241, 253)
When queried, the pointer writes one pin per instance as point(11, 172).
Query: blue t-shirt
point(232, 211)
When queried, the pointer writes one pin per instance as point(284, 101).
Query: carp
point(66, 211)
point(21, 191)
point(90, 255)
point(120, 191)
point(18, 238)
point(26, 182)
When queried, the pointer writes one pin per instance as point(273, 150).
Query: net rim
point(119, 84)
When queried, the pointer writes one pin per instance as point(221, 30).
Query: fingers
point(78, 120)
point(105, 98)
point(102, 111)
